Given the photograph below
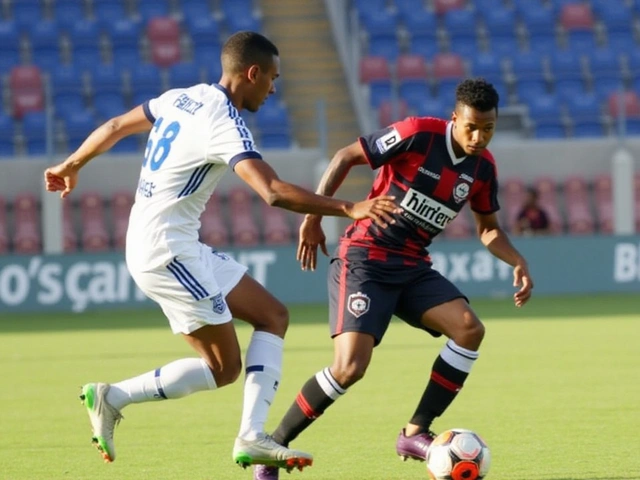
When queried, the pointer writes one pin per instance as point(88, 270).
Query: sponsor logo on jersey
point(429, 173)
point(219, 305)
point(388, 140)
point(466, 177)
point(358, 304)
point(425, 211)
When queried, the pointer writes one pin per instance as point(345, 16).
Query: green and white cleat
point(265, 451)
point(103, 418)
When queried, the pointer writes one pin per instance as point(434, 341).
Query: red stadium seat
point(603, 196)
point(580, 219)
point(276, 229)
point(94, 226)
point(27, 94)
point(514, 192)
point(387, 114)
point(448, 65)
point(26, 217)
point(213, 230)
point(548, 197)
point(409, 67)
point(374, 68)
point(164, 40)
point(244, 229)
point(630, 102)
point(443, 6)
point(121, 203)
point(70, 237)
point(4, 228)
point(576, 16)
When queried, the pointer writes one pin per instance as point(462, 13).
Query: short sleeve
point(485, 198)
point(153, 107)
point(231, 140)
point(385, 145)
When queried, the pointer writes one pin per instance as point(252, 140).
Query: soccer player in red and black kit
point(433, 167)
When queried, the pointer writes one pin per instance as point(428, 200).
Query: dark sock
point(444, 384)
point(316, 396)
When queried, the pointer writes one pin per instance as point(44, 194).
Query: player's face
point(473, 129)
point(262, 84)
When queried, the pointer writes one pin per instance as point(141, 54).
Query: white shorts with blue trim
point(191, 289)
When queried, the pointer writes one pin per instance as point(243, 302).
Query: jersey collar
point(452, 154)
point(222, 89)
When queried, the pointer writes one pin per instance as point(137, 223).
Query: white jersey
point(197, 134)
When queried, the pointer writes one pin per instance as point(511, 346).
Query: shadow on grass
point(583, 307)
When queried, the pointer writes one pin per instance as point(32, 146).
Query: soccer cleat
point(103, 418)
point(415, 446)
point(263, 472)
point(265, 451)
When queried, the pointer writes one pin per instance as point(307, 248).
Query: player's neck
point(232, 90)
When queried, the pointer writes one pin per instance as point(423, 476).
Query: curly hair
point(478, 94)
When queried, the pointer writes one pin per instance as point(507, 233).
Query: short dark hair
point(478, 94)
point(243, 49)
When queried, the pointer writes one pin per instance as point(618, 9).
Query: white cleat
point(103, 416)
point(265, 451)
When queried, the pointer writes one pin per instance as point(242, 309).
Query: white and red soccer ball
point(458, 454)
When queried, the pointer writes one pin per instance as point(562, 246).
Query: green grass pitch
point(555, 393)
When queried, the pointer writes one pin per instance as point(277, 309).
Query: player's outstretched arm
point(64, 176)
point(497, 242)
point(264, 180)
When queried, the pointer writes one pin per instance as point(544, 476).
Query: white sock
point(174, 380)
point(263, 367)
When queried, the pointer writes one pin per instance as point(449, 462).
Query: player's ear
point(252, 73)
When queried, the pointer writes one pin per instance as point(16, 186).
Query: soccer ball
point(458, 454)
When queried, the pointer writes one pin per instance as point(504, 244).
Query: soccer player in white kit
point(195, 134)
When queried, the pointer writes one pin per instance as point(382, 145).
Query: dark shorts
point(365, 294)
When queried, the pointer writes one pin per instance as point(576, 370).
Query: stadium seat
point(44, 38)
point(26, 12)
point(546, 113)
point(124, 36)
point(184, 74)
point(146, 83)
point(9, 45)
point(513, 193)
point(540, 24)
point(411, 73)
point(205, 39)
point(85, 42)
point(68, 12)
point(586, 114)
point(244, 229)
point(384, 46)
point(604, 62)
point(107, 89)
point(164, 39)
point(375, 72)
point(421, 24)
point(580, 219)
point(27, 94)
point(628, 102)
point(276, 229)
point(548, 197)
point(26, 224)
point(276, 137)
point(434, 107)
point(69, 234)
point(389, 112)
point(193, 9)
point(213, 229)
point(34, 129)
point(577, 21)
point(4, 227)
point(461, 28)
point(443, 6)
point(7, 136)
point(148, 9)
point(121, 203)
point(78, 126)
point(94, 236)
point(487, 65)
point(109, 11)
point(448, 70)
point(603, 200)
point(67, 87)
point(500, 24)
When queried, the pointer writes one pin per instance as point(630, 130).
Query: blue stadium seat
point(109, 11)
point(364, 6)
point(544, 107)
point(272, 114)
point(184, 75)
point(146, 83)
point(85, 42)
point(275, 138)
point(621, 41)
point(7, 136)
point(434, 107)
point(633, 62)
point(604, 62)
point(605, 86)
point(487, 65)
point(68, 12)
point(205, 37)
point(461, 29)
point(501, 29)
point(581, 41)
point(422, 27)
point(78, 126)
point(129, 144)
point(193, 9)
point(152, 8)
point(124, 35)
point(44, 37)
point(586, 115)
point(239, 15)
point(67, 90)
point(379, 22)
point(612, 12)
point(107, 88)
point(379, 92)
point(213, 72)
point(9, 45)
point(413, 91)
point(383, 46)
point(26, 12)
point(540, 23)
point(527, 88)
point(34, 128)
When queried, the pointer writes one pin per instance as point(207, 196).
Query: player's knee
point(227, 373)
point(471, 331)
point(276, 320)
point(349, 373)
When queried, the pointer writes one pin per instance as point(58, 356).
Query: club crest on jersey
point(219, 305)
point(461, 189)
point(388, 140)
point(358, 304)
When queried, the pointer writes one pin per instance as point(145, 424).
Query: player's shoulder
point(415, 125)
point(488, 157)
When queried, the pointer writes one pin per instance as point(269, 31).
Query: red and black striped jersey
point(416, 164)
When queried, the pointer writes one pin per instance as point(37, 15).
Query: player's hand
point(378, 209)
point(522, 279)
point(61, 178)
point(311, 237)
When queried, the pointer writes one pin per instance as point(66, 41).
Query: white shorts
point(191, 289)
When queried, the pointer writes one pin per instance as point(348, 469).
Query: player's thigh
point(251, 302)
point(358, 301)
point(433, 303)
